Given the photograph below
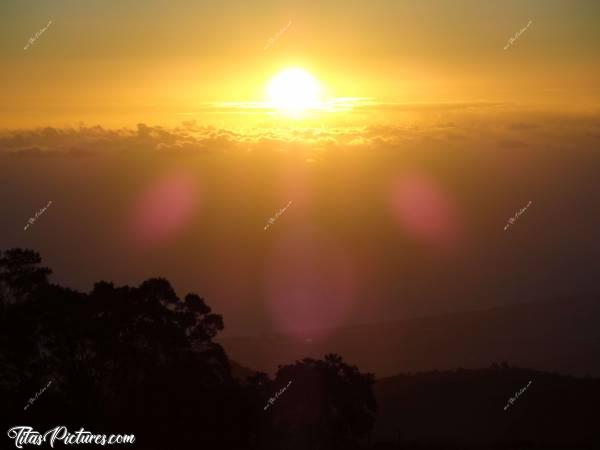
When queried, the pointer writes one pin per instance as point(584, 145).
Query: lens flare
point(163, 209)
point(424, 210)
point(310, 283)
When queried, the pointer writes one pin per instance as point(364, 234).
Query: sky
point(117, 63)
point(149, 127)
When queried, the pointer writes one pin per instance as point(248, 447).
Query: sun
point(294, 91)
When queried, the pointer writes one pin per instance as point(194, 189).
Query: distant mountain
point(560, 335)
point(467, 406)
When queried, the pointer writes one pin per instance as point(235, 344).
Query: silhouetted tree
point(328, 405)
point(20, 275)
point(141, 360)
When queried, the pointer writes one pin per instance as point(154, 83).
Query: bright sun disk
point(294, 91)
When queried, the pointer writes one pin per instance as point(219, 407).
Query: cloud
point(495, 126)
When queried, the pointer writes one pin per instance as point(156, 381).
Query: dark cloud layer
point(507, 128)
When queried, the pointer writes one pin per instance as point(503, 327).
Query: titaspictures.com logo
point(24, 435)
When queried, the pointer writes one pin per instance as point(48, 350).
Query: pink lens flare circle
point(163, 209)
point(310, 282)
point(424, 210)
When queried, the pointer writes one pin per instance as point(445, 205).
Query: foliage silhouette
point(141, 360)
point(328, 404)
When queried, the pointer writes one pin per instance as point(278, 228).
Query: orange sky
point(117, 63)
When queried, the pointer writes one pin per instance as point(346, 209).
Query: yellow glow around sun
point(293, 91)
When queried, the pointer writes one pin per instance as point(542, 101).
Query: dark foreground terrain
point(143, 361)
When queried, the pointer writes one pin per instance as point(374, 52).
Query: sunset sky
point(403, 143)
point(390, 206)
point(117, 63)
